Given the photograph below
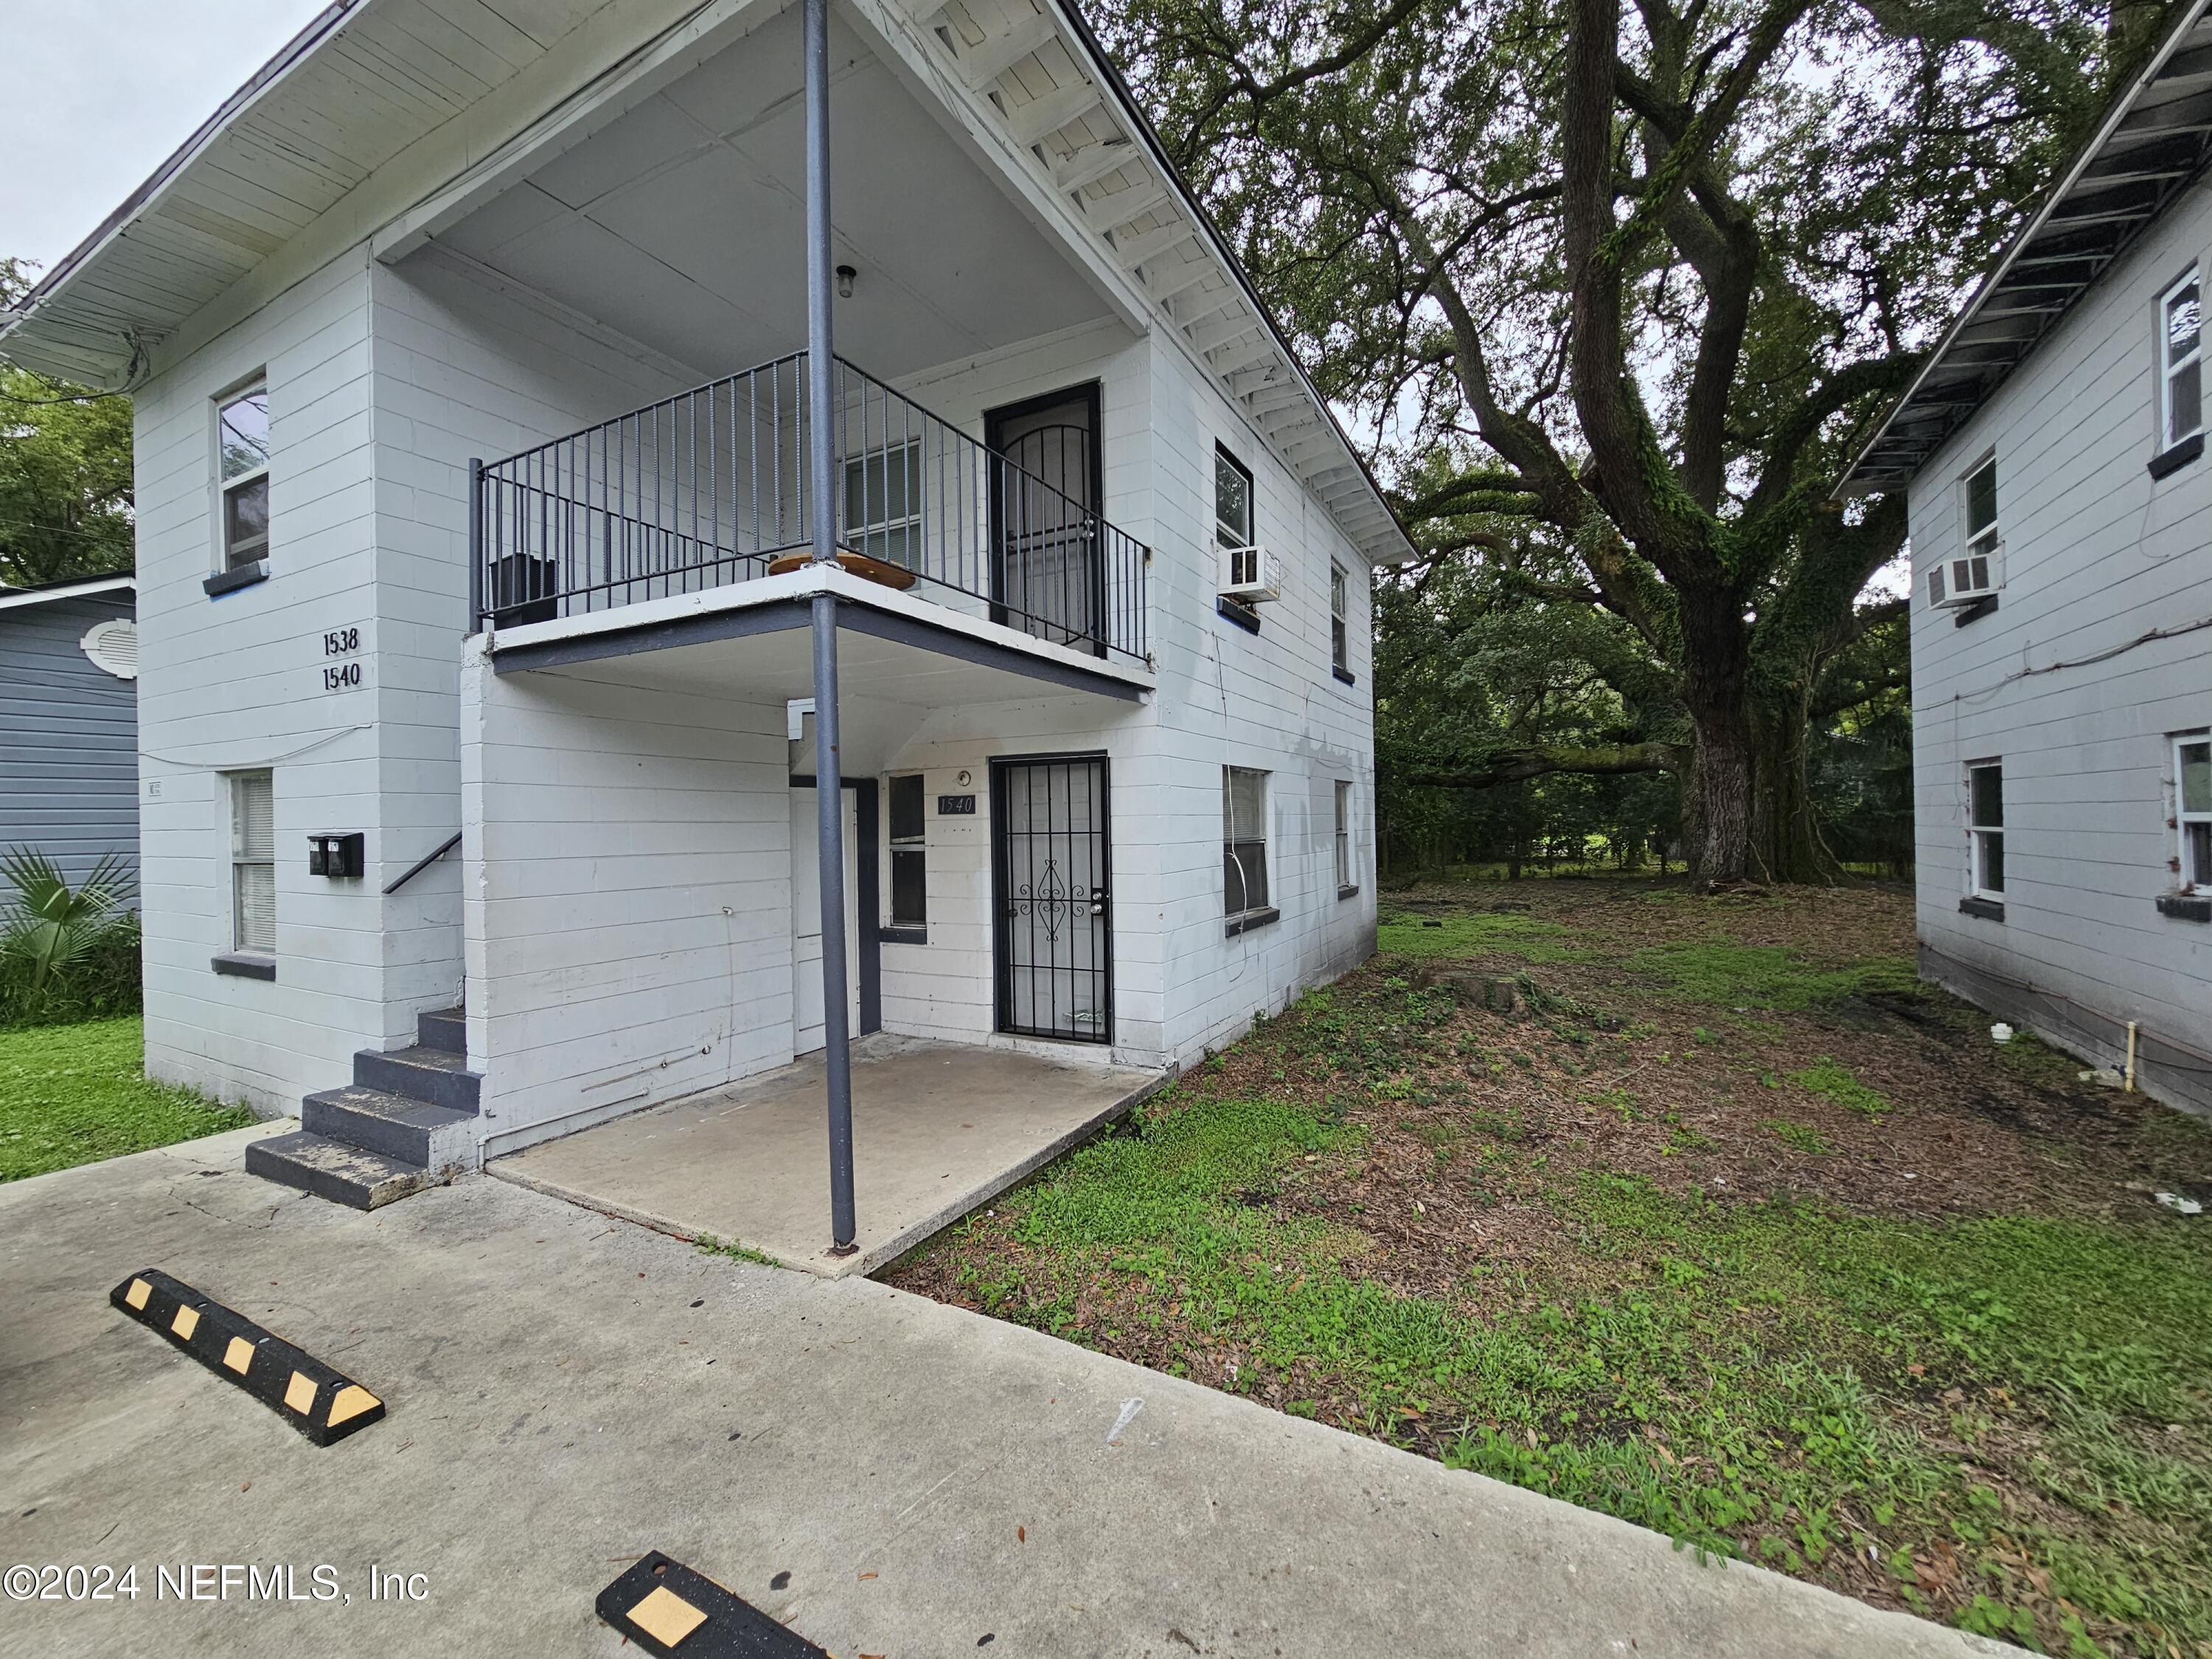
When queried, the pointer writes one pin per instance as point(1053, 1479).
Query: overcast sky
point(101, 91)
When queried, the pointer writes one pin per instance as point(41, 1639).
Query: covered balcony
point(685, 524)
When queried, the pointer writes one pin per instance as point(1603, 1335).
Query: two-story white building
point(2061, 511)
point(470, 344)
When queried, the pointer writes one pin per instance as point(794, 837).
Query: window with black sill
point(1244, 846)
point(909, 857)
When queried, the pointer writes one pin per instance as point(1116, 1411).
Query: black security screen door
point(1049, 579)
point(1050, 854)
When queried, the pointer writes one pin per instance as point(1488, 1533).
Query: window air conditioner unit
point(1962, 580)
point(1248, 575)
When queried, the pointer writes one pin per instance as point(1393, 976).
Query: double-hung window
point(242, 468)
point(1985, 828)
point(1339, 631)
point(1347, 878)
point(1232, 511)
point(2180, 362)
point(910, 863)
point(1983, 534)
point(883, 503)
point(2192, 801)
point(253, 863)
point(1244, 843)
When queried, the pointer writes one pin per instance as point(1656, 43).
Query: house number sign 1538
point(342, 643)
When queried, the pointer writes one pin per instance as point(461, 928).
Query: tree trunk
point(1720, 846)
point(1716, 688)
point(1785, 843)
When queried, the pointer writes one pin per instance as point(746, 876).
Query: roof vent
point(113, 647)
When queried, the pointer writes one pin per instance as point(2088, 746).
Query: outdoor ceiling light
point(845, 275)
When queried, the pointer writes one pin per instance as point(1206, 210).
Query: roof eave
point(1858, 479)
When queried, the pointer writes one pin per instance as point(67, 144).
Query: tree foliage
point(1617, 294)
point(65, 472)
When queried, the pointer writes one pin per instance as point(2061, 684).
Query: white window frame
point(1987, 541)
point(1234, 836)
point(895, 540)
point(2196, 872)
point(1347, 875)
point(227, 558)
point(2169, 371)
point(1231, 537)
point(1980, 835)
point(244, 857)
point(894, 845)
point(1340, 617)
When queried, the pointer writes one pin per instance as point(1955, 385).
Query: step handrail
point(423, 864)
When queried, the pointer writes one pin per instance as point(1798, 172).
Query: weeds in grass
point(1525, 938)
point(72, 1093)
point(1802, 1136)
point(2001, 1421)
point(1756, 1386)
point(1827, 1077)
point(735, 1251)
point(1764, 976)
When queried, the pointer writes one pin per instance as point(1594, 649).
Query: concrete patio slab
point(885, 1474)
point(939, 1129)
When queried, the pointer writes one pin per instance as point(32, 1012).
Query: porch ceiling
point(682, 222)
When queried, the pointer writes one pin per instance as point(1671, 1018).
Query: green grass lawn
point(1577, 1250)
point(72, 1093)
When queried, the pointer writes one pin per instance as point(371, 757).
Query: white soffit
point(1040, 72)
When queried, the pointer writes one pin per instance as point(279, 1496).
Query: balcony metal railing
point(708, 487)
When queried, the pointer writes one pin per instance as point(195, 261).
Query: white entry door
point(806, 1022)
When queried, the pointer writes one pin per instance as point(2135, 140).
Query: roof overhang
point(193, 231)
point(12, 597)
point(2153, 142)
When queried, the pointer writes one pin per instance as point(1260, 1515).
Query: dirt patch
point(1755, 1054)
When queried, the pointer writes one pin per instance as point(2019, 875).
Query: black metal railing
point(709, 488)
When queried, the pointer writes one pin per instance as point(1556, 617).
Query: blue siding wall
point(69, 738)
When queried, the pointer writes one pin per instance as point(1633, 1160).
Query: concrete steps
point(405, 1122)
point(331, 1168)
point(416, 1132)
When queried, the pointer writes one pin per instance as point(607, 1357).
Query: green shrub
point(66, 953)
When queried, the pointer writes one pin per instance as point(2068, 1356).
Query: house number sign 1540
point(346, 675)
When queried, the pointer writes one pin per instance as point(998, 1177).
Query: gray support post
point(476, 548)
point(828, 776)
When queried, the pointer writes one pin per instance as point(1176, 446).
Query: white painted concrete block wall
point(234, 682)
point(383, 382)
point(1270, 702)
point(466, 366)
point(2096, 554)
point(629, 933)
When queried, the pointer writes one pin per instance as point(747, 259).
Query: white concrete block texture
point(2061, 686)
point(619, 911)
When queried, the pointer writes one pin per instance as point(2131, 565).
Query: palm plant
point(49, 927)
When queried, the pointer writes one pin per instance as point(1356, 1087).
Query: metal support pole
point(476, 545)
point(829, 775)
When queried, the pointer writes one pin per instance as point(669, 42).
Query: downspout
point(829, 778)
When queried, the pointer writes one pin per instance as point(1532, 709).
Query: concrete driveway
point(567, 1393)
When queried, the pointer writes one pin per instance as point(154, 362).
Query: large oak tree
point(1617, 293)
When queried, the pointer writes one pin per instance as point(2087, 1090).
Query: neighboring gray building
point(69, 723)
point(2053, 448)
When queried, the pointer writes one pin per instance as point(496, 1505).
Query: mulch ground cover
point(1699, 1210)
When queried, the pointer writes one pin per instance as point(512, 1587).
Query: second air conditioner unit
point(1248, 575)
point(1970, 577)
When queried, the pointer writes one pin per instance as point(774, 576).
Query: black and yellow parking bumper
point(666, 1607)
point(322, 1403)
